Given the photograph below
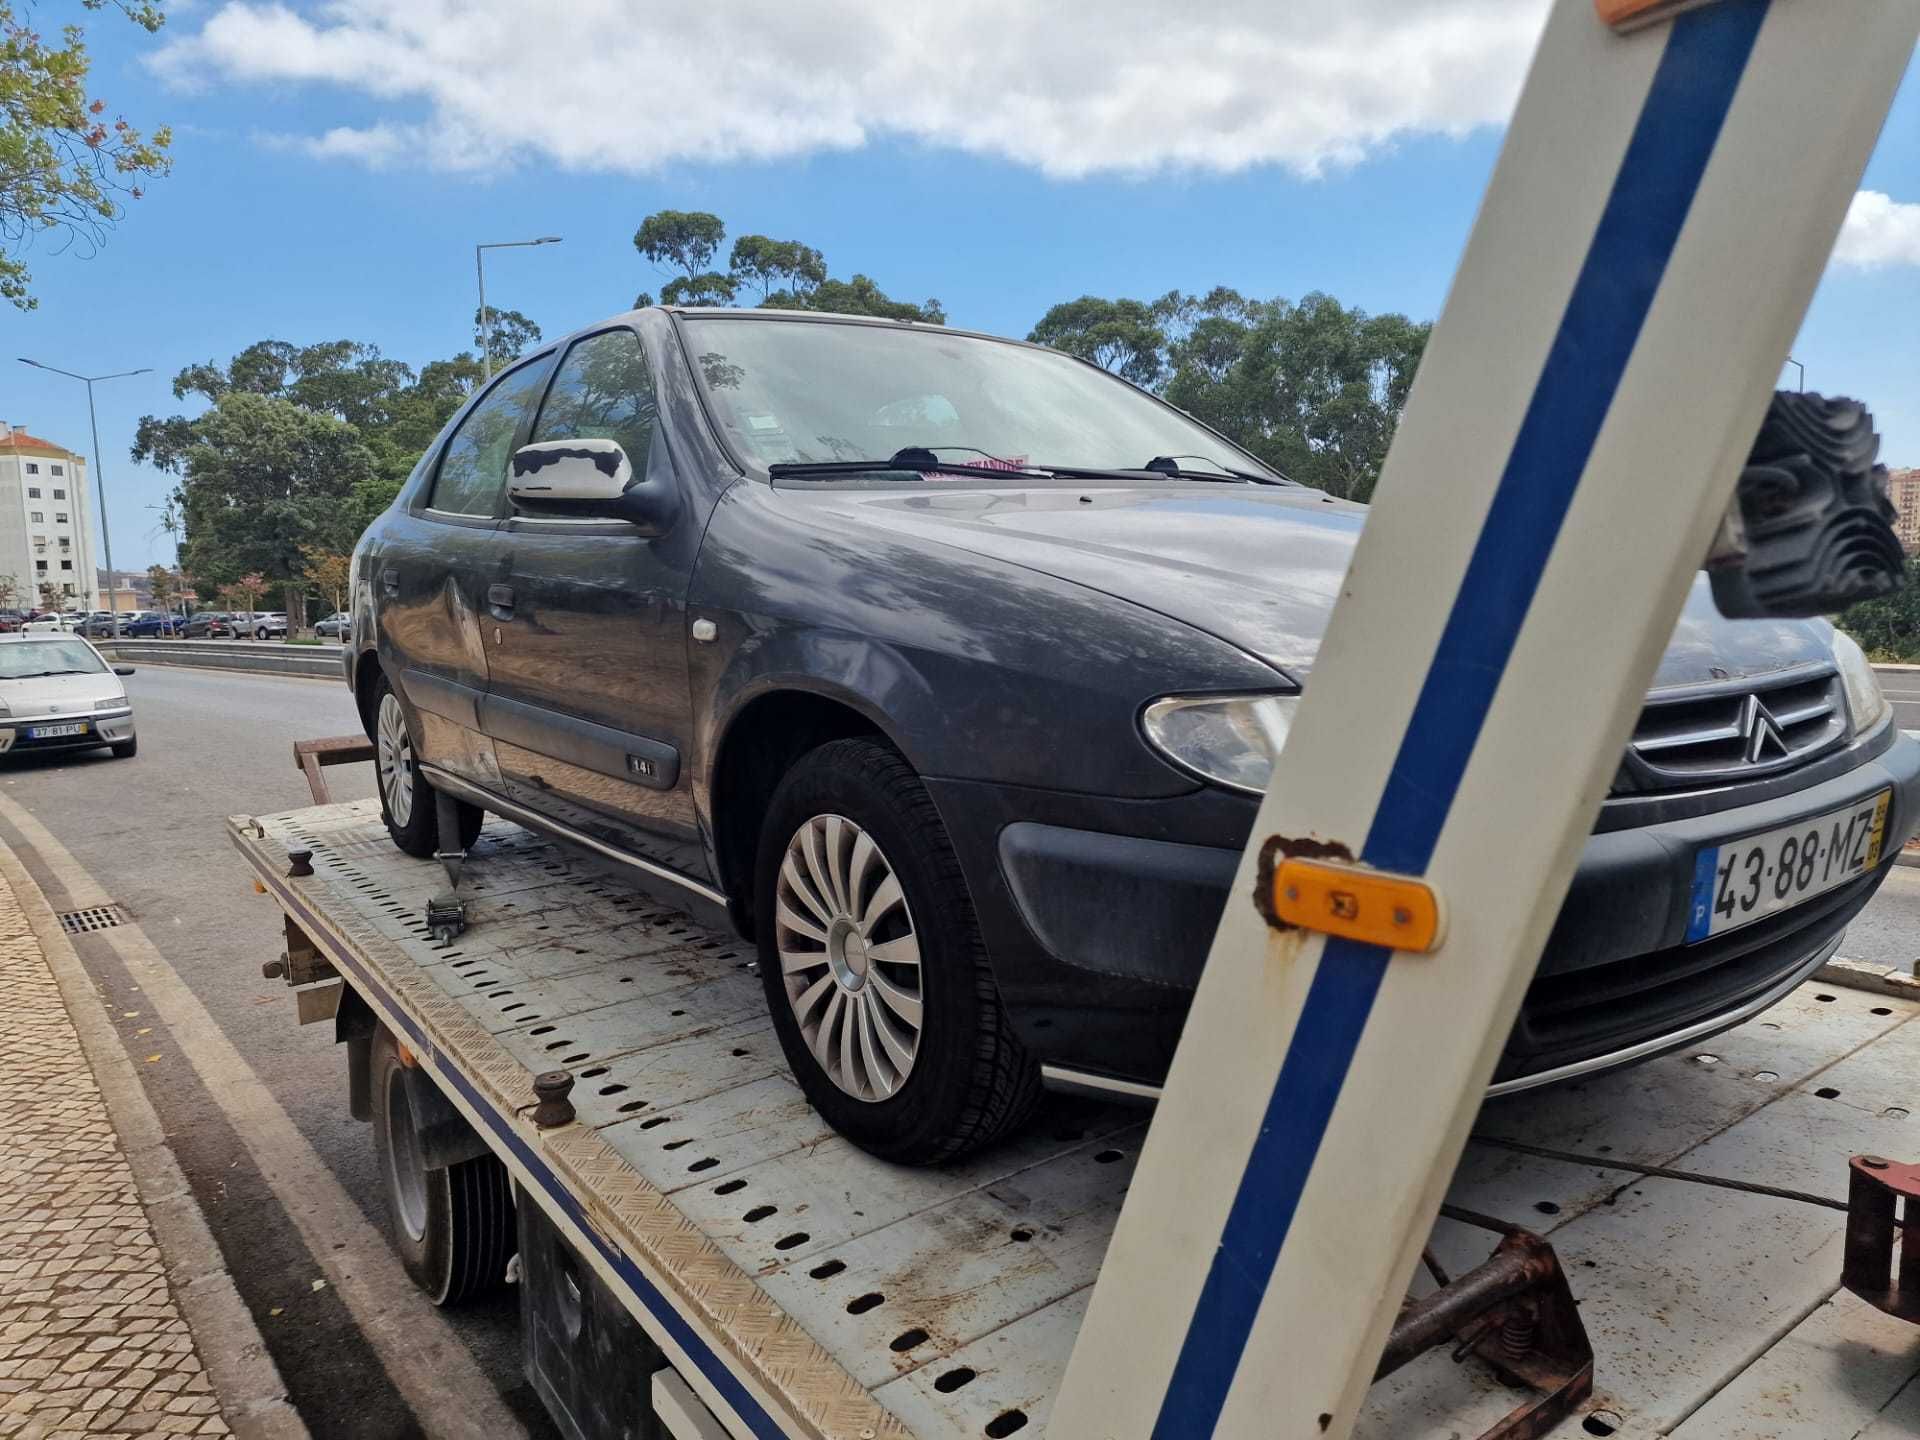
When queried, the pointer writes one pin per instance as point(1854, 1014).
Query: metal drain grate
point(94, 917)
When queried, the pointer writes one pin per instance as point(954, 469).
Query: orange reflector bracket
point(1625, 15)
point(1397, 912)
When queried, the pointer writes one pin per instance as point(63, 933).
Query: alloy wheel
point(849, 957)
point(393, 758)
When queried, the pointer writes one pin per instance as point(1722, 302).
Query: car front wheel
point(407, 802)
point(873, 963)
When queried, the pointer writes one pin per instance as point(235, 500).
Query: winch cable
point(1658, 1172)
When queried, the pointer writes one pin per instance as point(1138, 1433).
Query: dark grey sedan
point(951, 669)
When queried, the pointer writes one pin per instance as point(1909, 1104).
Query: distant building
point(46, 528)
point(132, 589)
point(1903, 488)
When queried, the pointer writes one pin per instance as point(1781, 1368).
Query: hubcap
point(849, 958)
point(393, 758)
point(405, 1174)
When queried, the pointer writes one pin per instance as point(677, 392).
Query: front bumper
point(102, 729)
point(1099, 938)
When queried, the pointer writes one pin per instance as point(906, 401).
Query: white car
point(64, 624)
point(58, 693)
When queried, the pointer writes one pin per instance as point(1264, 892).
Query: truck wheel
point(454, 1227)
point(874, 966)
point(406, 800)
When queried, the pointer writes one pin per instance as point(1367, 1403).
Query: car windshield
point(794, 391)
point(24, 658)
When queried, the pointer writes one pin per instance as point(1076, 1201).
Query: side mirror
point(123, 669)
point(588, 479)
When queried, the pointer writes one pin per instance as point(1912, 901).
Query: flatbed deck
point(804, 1288)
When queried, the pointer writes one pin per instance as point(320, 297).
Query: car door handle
point(500, 601)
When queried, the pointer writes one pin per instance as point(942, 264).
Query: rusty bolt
point(275, 969)
point(1873, 1162)
point(299, 863)
point(552, 1087)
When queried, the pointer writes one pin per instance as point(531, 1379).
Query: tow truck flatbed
point(800, 1287)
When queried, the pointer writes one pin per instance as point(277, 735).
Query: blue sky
point(269, 229)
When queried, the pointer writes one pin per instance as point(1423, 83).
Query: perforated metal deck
point(807, 1289)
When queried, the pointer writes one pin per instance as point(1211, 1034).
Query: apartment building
point(46, 525)
point(1903, 488)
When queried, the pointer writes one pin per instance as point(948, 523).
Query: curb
point(253, 1398)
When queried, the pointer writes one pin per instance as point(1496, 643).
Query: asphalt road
point(1903, 689)
point(255, 1105)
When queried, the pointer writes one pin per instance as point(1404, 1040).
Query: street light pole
point(1801, 368)
point(486, 316)
point(99, 472)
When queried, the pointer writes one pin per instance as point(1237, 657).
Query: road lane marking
point(429, 1365)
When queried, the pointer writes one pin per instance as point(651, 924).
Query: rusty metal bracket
point(1516, 1312)
point(1875, 1188)
point(310, 755)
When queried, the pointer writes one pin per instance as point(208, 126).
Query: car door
point(431, 570)
point(587, 702)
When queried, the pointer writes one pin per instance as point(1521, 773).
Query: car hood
point(1258, 567)
point(60, 694)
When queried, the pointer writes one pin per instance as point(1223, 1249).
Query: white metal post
point(1662, 210)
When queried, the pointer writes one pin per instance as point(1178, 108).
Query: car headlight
point(119, 704)
point(1231, 740)
point(1864, 700)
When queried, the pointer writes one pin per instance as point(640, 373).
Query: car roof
point(36, 637)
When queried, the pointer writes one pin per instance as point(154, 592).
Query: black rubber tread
point(126, 749)
point(484, 1231)
point(996, 1080)
point(471, 1228)
point(420, 836)
point(1813, 502)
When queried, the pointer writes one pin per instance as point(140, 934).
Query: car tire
point(126, 749)
point(845, 1018)
point(453, 1227)
point(406, 799)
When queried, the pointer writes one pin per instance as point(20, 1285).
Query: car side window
point(473, 467)
point(603, 390)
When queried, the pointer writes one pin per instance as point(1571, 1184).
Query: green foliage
point(685, 240)
point(784, 274)
point(63, 166)
point(263, 481)
point(766, 265)
point(1124, 336)
point(1314, 389)
point(1888, 629)
point(858, 296)
point(512, 334)
point(708, 288)
point(164, 584)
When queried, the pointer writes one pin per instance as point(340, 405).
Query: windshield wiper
point(923, 461)
point(1170, 466)
point(42, 674)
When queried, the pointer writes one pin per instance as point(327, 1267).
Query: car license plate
point(54, 732)
point(1746, 880)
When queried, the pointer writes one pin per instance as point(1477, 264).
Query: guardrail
point(267, 657)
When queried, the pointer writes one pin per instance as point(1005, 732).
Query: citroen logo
point(1764, 740)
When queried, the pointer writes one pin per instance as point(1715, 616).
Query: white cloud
point(1120, 86)
point(1880, 231)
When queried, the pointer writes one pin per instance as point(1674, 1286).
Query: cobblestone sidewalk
point(91, 1340)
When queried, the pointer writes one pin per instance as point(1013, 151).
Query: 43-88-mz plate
point(1748, 879)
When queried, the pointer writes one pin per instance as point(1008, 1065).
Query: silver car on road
point(58, 693)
